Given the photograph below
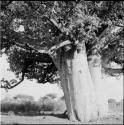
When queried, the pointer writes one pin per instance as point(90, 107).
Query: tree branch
point(9, 85)
point(120, 25)
point(54, 48)
point(41, 56)
point(118, 61)
point(54, 23)
point(22, 79)
point(67, 42)
point(113, 72)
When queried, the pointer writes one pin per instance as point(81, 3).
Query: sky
point(112, 85)
point(26, 87)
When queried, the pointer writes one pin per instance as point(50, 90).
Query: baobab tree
point(70, 41)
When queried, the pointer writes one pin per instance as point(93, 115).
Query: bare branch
point(113, 72)
point(120, 25)
point(9, 85)
point(54, 48)
point(22, 79)
point(67, 42)
point(54, 23)
point(25, 46)
point(118, 61)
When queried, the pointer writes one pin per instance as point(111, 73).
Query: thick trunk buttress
point(79, 91)
point(96, 74)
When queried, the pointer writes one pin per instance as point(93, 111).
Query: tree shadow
point(58, 115)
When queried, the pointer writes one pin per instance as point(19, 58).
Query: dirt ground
point(113, 118)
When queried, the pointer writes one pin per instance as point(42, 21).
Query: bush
point(59, 106)
point(23, 105)
point(19, 104)
point(6, 107)
point(47, 107)
point(48, 104)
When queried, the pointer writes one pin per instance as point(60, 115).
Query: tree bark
point(96, 74)
point(79, 91)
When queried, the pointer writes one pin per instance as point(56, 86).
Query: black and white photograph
point(61, 62)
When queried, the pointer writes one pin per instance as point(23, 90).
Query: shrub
point(59, 106)
point(48, 103)
point(6, 107)
point(25, 105)
point(20, 103)
point(47, 107)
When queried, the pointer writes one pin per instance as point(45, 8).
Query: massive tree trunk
point(79, 91)
point(96, 74)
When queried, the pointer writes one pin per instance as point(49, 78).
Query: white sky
point(113, 86)
point(26, 87)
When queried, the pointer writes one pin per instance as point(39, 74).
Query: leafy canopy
point(31, 29)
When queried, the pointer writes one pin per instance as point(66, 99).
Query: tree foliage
point(46, 24)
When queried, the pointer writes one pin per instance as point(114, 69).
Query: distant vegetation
point(26, 105)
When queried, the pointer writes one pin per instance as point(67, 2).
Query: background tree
point(67, 40)
point(47, 104)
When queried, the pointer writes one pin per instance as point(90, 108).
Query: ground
point(115, 117)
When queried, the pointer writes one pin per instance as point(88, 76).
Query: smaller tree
point(47, 102)
point(25, 103)
point(24, 98)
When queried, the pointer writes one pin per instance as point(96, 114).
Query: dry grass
point(54, 120)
